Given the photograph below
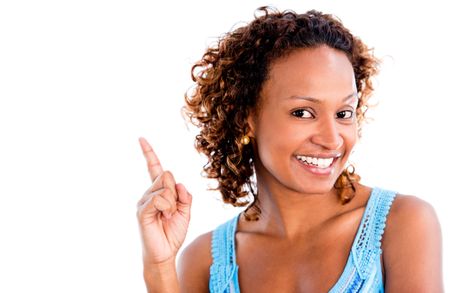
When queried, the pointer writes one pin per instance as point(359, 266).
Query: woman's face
point(305, 126)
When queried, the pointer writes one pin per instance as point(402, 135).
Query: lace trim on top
point(224, 258)
point(361, 270)
point(372, 230)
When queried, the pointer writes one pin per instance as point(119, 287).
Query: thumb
point(184, 197)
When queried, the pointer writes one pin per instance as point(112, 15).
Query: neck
point(287, 213)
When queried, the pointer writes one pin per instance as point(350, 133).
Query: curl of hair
point(228, 80)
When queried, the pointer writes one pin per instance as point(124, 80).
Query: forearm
point(161, 278)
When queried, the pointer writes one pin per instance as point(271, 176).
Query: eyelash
point(302, 111)
point(301, 115)
point(345, 111)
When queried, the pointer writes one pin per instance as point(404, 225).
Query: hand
point(163, 212)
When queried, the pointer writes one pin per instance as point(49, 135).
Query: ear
point(251, 122)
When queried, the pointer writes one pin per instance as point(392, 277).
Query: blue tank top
point(362, 272)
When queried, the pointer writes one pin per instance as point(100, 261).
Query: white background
point(80, 81)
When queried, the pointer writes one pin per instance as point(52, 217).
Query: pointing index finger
point(154, 166)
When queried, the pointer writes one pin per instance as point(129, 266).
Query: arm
point(412, 247)
point(163, 214)
point(161, 277)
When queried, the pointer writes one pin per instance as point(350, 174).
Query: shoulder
point(409, 214)
point(412, 247)
point(193, 265)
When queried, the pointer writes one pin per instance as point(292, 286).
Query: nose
point(328, 135)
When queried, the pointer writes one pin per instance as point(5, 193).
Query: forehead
point(321, 72)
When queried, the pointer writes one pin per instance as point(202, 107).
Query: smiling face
point(305, 126)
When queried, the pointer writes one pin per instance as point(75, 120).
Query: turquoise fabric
point(362, 272)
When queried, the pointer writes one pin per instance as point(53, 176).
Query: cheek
point(278, 141)
point(350, 136)
point(271, 138)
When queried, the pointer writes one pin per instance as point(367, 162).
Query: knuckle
point(154, 199)
point(165, 193)
point(139, 204)
point(160, 203)
point(167, 175)
point(140, 214)
point(147, 192)
point(169, 195)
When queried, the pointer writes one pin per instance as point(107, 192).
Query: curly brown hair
point(228, 80)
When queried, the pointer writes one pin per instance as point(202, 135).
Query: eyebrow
point(317, 101)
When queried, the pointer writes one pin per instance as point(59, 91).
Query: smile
point(321, 163)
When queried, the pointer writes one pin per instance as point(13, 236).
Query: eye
point(302, 113)
point(347, 114)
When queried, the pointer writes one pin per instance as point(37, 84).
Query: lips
point(318, 162)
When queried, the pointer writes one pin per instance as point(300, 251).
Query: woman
point(280, 104)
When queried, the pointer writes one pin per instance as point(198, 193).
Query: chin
point(315, 189)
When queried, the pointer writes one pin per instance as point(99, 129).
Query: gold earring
point(245, 140)
point(345, 184)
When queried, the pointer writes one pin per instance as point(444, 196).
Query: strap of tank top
point(366, 249)
point(223, 255)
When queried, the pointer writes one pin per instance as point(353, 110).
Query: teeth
point(319, 162)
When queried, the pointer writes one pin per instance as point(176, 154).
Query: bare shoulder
point(410, 214)
point(194, 263)
point(412, 247)
point(407, 208)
